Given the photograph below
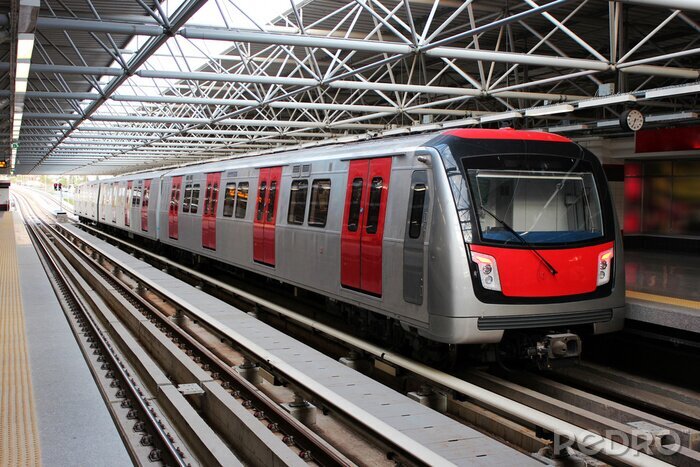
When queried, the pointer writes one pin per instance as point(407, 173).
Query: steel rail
point(397, 441)
point(586, 438)
point(298, 433)
point(41, 242)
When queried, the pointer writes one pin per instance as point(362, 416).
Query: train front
point(542, 251)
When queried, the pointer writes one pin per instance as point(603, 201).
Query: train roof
point(368, 148)
point(359, 149)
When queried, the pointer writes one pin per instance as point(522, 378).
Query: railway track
point(171, 359)
point(512, 415)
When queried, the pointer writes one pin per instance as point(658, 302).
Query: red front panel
point(174, 208)
point(522, 273)
point(259, 216)
point(273, 194)
point(211, 201)
point(127, 203)
point(363, 224)
point(145, 201)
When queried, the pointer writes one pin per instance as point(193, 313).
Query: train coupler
point(555, 350)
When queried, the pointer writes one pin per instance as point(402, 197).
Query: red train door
point(146, 194)
point(174, 207)
point(127, 204)
point(211, 199)
point(363, 224)
point(266, 215)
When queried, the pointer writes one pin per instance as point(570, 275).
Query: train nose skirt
point(497, 323)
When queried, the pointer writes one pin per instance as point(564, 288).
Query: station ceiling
point(106, 87)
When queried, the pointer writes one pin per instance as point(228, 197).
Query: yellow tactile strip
point(19, 435)
point(663, 299)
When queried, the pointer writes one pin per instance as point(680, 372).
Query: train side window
point(375, 201)
point(214, 199)
point(415, 222)
point(271, 201)
point(194, 203)
point(229, 199)
point(320, 196)
point(297, 202)
point(188, 198)
point(241, 200)
point(261, 201)
point(355, 200)
point(146, 196)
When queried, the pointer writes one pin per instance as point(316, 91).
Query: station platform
point(51, 412)
point(663, 289)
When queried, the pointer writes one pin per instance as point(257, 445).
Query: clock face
point(634, 120)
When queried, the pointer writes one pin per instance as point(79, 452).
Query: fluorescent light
point(25, 46)
point(565, 128)
point(501, 116)
point(606, 123)
point(671, 117)
point(673, 91)
point(549, 110)
point(607, 100)
point(22, 70)
point(20, 86)
point(461, 122)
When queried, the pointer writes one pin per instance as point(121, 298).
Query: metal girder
point(177, 20)
point(325, 69)
point(692, 5)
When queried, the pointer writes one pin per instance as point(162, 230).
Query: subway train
point(457, 237)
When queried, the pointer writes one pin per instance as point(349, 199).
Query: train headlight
point(604, 260)
point(488, 270)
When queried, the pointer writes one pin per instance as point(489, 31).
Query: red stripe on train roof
point(506, 133)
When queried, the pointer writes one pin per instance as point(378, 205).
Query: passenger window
point(271, 201)
point(241, 200)
point(194, 204)
point(355, 200)
point(375, 201)
point(188, 198)
point(261, 200)
point(297, 202)
point(415, 222)
point(146, 194)
point(318, 209)
point(229, 199)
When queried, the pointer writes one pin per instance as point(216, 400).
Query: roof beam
point(177, 20)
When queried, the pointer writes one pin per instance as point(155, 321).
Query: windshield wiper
point(520, 237)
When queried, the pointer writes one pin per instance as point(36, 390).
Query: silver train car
point(457, 237)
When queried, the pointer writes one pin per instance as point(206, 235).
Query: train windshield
point(542, 207)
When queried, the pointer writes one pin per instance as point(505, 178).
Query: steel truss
point(97, 103)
